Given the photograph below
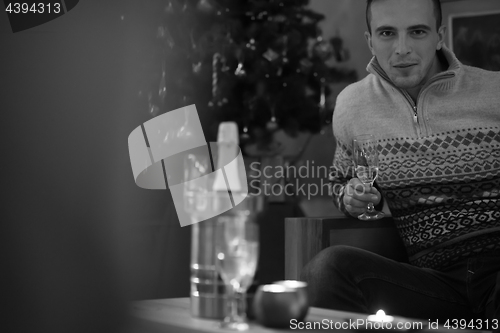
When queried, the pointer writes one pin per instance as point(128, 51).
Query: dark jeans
point(350, 279)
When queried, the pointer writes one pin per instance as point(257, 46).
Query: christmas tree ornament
point(215, 65)
point(246, 130)
point(251, 44)
point(244, 136)
point(271, 55)
point(306, 20)
point(322, 99)
point(162, 90)
point(205, 6)
point(284, 53)
point(230, 39)
point(272, 125)
point(262, 15)
point(154, 110)
point(169, 8)
point(279, 71)
point(153, 104)
point(185, 6)
point(323, 49)
point(164, 33)
point(240, 70)
point(197, 67)
point(224, 67)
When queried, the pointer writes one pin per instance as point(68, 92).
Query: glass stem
point(371, 207)
point(242, 305)
point(233, 303)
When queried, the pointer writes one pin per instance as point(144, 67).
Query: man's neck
point(413, 92)
point(437, 67)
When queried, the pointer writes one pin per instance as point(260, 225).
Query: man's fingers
point(355, 207)
point(361, 192)
point(357, 196)
point(354, 211)
point(354, 202)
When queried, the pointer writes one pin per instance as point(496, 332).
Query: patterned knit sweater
point(439, 158)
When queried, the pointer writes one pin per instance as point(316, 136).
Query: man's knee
point(330, 262)
point(330, 276)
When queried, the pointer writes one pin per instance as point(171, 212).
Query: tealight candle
point(278, 303)
point(380, 317)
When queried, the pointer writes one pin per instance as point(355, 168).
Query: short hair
point(437, 12)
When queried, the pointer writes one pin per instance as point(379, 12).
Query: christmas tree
point(260, 63)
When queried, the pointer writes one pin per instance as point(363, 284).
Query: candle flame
point(380, 317)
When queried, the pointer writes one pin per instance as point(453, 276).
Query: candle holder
point(275, 305)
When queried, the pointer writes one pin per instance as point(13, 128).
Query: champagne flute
point(365, 157)
point(237, 249)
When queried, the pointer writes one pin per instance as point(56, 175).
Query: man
point(437, 127)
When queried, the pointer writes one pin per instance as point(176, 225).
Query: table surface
point(173, 315)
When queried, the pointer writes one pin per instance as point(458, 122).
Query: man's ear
point(368, 38)
point(441, 35)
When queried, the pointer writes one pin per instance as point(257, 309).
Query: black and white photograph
point(253, 166)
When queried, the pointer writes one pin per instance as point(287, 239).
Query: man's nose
point(403, 45)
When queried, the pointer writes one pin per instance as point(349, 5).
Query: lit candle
point(381, 317)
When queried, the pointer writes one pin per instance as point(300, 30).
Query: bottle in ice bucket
point(204, 197)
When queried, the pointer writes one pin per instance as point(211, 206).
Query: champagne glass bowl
point(365, 158)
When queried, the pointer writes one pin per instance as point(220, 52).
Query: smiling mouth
point(404, 65)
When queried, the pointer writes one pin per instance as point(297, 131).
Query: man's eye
point(386, 33)
point(419, 32)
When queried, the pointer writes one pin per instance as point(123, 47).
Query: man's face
point(404, 40)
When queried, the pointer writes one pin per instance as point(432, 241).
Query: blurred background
point(79, 238)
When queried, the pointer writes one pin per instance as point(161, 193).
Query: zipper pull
point(415, 116)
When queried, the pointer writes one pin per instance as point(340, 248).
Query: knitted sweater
point(439, 158)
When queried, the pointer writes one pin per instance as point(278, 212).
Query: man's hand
point(357, 196)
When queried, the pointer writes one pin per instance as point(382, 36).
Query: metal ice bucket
point(207, 288)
